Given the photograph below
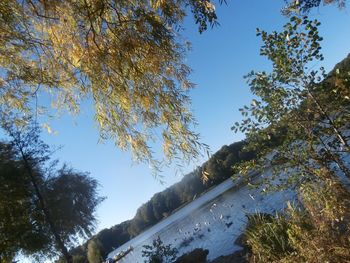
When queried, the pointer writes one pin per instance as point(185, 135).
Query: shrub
point(268, 237)
point(316, 232)
point(158, 252)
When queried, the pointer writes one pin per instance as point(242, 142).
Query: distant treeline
point(217, 169)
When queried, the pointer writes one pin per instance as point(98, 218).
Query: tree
point(307, 105)
point(299, 126)
point(306, 5)
point(221, 164)
point(158, 204)
point(43, 210)
point(126, 56)
point(94, 251)
point(158, 252)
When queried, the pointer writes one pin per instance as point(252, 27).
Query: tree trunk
point(68, 257)
point(336, 130)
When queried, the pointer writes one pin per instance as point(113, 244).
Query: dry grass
point(319, 232)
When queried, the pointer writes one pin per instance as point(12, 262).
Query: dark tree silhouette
point(43, 209)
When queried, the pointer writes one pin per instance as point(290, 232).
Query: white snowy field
point(213, 221)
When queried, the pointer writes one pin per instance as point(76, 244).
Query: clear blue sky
point(220, 58)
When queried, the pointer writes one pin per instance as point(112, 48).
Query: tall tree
point(299, 123)
point(43, 209)
point(299, 105)
point(126, 56)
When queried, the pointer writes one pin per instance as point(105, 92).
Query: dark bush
point(196, 256)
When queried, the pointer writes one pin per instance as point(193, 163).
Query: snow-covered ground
point(213, 221)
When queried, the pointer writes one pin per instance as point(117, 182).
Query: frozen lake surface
point(213, 221)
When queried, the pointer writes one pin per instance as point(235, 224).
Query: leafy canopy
point(305, 6)
point(33, 201)
point(126, 56)
point(300, 113)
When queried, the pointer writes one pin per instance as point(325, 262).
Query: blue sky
point(220, 58)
